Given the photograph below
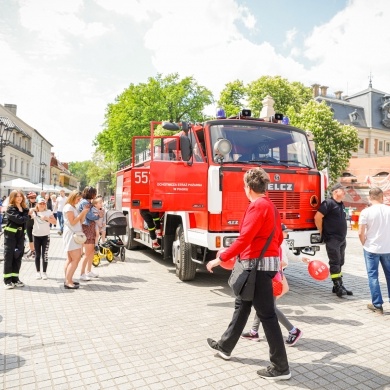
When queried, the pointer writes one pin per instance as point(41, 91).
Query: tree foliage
point(284, 93)
point(161, 98)
point(236, 96)
point(232, 97)
point(334, 142)
point(80, 170)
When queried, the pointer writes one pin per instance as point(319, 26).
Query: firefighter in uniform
point(331, 221)
point(152, 219)
point(17, 214)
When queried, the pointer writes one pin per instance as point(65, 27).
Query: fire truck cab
point(194, 180)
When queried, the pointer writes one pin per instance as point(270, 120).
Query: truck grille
point(285, 201)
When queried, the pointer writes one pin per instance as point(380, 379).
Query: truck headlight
point(227, 241)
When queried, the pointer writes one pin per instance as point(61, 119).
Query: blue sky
point(62, 62)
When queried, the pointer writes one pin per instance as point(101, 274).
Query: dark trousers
point(13, 253)
point(41, 245)
point(152, 219)
point(336, 254)
point(263, 303)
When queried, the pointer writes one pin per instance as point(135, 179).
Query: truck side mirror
point(185, 148)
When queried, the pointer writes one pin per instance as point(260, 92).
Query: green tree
point(284, 93)
point(334, 142)
point(80, 170)
point(161, 98)
point(232, 97)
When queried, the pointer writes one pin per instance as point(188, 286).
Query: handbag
point(78, 237)
point(242, 280)
point(277, 284)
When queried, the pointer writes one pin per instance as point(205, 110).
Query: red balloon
point(228, 264)
point(318, 270)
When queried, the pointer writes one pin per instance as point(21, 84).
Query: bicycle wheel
point(96, 260)
point(109, 256)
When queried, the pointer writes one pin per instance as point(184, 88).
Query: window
point(381, 146)
point(16, 165)
point(388, 147)
point(361, 144)
point(22, 167)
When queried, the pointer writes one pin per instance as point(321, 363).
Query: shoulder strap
point(265, 247)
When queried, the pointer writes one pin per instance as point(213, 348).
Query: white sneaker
point(9, 286)
point(91, 274)
point(38, 276)
point(44, 276)
point(85, 278)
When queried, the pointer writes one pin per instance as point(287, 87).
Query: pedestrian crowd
point(260, 246)
point(35, 215)
point(254, 232)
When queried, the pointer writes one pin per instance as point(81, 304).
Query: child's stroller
point(116, 225)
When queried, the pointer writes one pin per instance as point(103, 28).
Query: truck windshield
point(264, 144)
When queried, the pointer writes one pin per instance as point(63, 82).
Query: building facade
point(369, 112)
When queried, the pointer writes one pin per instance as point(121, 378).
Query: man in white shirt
point(374, 233)
point(61, 200)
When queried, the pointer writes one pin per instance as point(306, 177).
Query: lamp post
point(42, 173)
point(5, 134)
point(54, 180)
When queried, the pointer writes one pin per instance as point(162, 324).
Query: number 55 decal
point(141, 177)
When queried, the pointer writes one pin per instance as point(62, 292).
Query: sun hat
point(42, 200)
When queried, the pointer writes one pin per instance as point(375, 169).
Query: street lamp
point(54, 180)
point(42, 173)
point(5, 135)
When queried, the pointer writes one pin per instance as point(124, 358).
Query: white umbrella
point(20, 184)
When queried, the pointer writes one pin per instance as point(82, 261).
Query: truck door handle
point(156, 204)
point(136, 203)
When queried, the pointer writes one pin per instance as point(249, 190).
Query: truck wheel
point(185, 267)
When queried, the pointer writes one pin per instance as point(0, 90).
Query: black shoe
point(19, 283)
point(273, 375)
point(213, 345)
point(74, 287)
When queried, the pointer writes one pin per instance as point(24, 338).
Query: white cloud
point(351, 45)
point(290, 36)
point(61, 66)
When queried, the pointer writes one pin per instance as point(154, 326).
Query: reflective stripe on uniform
point(334, 276)
point(13, 230)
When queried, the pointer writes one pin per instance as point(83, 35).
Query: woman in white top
point(72, 223)
point(41, 235)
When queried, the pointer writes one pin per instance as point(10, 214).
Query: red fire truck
point(194, 180)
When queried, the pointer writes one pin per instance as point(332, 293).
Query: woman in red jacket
point(257, 225)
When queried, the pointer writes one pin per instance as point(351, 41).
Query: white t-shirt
point(61, 200)
point(41, 227)
point(67, 236)
point(377, 221)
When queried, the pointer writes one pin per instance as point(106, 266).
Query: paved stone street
point(139, 327)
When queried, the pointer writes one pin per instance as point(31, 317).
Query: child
point(294, 333)
point(17, 216)
point(41, 232)
point(100, 224)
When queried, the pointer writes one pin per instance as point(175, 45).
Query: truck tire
point(185, 267)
